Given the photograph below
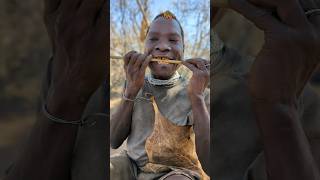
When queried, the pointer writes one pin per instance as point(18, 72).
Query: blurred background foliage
point(24, 51)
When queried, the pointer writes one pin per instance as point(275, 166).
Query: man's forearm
point(202, 130)
point(287, 150)
point(120, 123)
point(48, 155)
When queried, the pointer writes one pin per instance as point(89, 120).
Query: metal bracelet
point(312, 12)
point(127, 99)
point(81, 122)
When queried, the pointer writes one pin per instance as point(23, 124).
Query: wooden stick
point(158, 60)
point(166, 61)
point(116, 57)
point(154, 60)
point(220, 3)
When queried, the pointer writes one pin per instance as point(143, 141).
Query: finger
point(103, 13)
point(196, 59)
point(190, 66)
point(292, 14)
point(146, 63)
point(133, 59)
point(127, 57)
point(90, 8)
point(202, 66)
point(261, 18)
point(101, 29)
point(51, 6)
point(290, 11)
point(198, 62)
point(69, 6)
point(140, 60)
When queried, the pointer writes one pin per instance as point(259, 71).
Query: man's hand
point(200, 114)
point(78, 33)
point(290, 53)
point(200, 76)
point(281, 70)
point(135, 65)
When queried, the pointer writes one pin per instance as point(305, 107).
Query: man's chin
point(162, 67)
point(162, 71)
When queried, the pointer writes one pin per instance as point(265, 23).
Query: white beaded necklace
point(168, 82)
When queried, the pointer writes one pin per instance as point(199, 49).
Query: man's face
point(164, 39)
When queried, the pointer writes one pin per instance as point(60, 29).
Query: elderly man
point(183, 103)
point(268, 127)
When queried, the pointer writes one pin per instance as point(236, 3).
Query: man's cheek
point(147, 50)
point(179, 51)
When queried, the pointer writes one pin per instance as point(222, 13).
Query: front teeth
point(162, 58)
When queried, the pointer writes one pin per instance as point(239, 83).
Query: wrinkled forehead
point(165, 26)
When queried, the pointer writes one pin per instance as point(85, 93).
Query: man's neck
point(164, 82)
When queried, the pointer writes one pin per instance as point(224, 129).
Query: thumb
point(190, 66)
point(263, 19)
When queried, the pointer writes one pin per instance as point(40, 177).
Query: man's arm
point(48, 153)
point(120, 122)
point(201, 128)
point(278, 76)
point(78, 34)
point(135, 65)
point(201, 117)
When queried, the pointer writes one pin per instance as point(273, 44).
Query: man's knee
point(121, 168)
point(177, 177)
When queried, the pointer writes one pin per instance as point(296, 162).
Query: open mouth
point(165, 60)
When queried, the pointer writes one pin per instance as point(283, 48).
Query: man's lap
point(123, 168)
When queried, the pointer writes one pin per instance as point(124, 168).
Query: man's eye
point(153, 39)
point(173, 40)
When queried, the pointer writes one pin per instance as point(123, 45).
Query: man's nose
point(163, 46)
